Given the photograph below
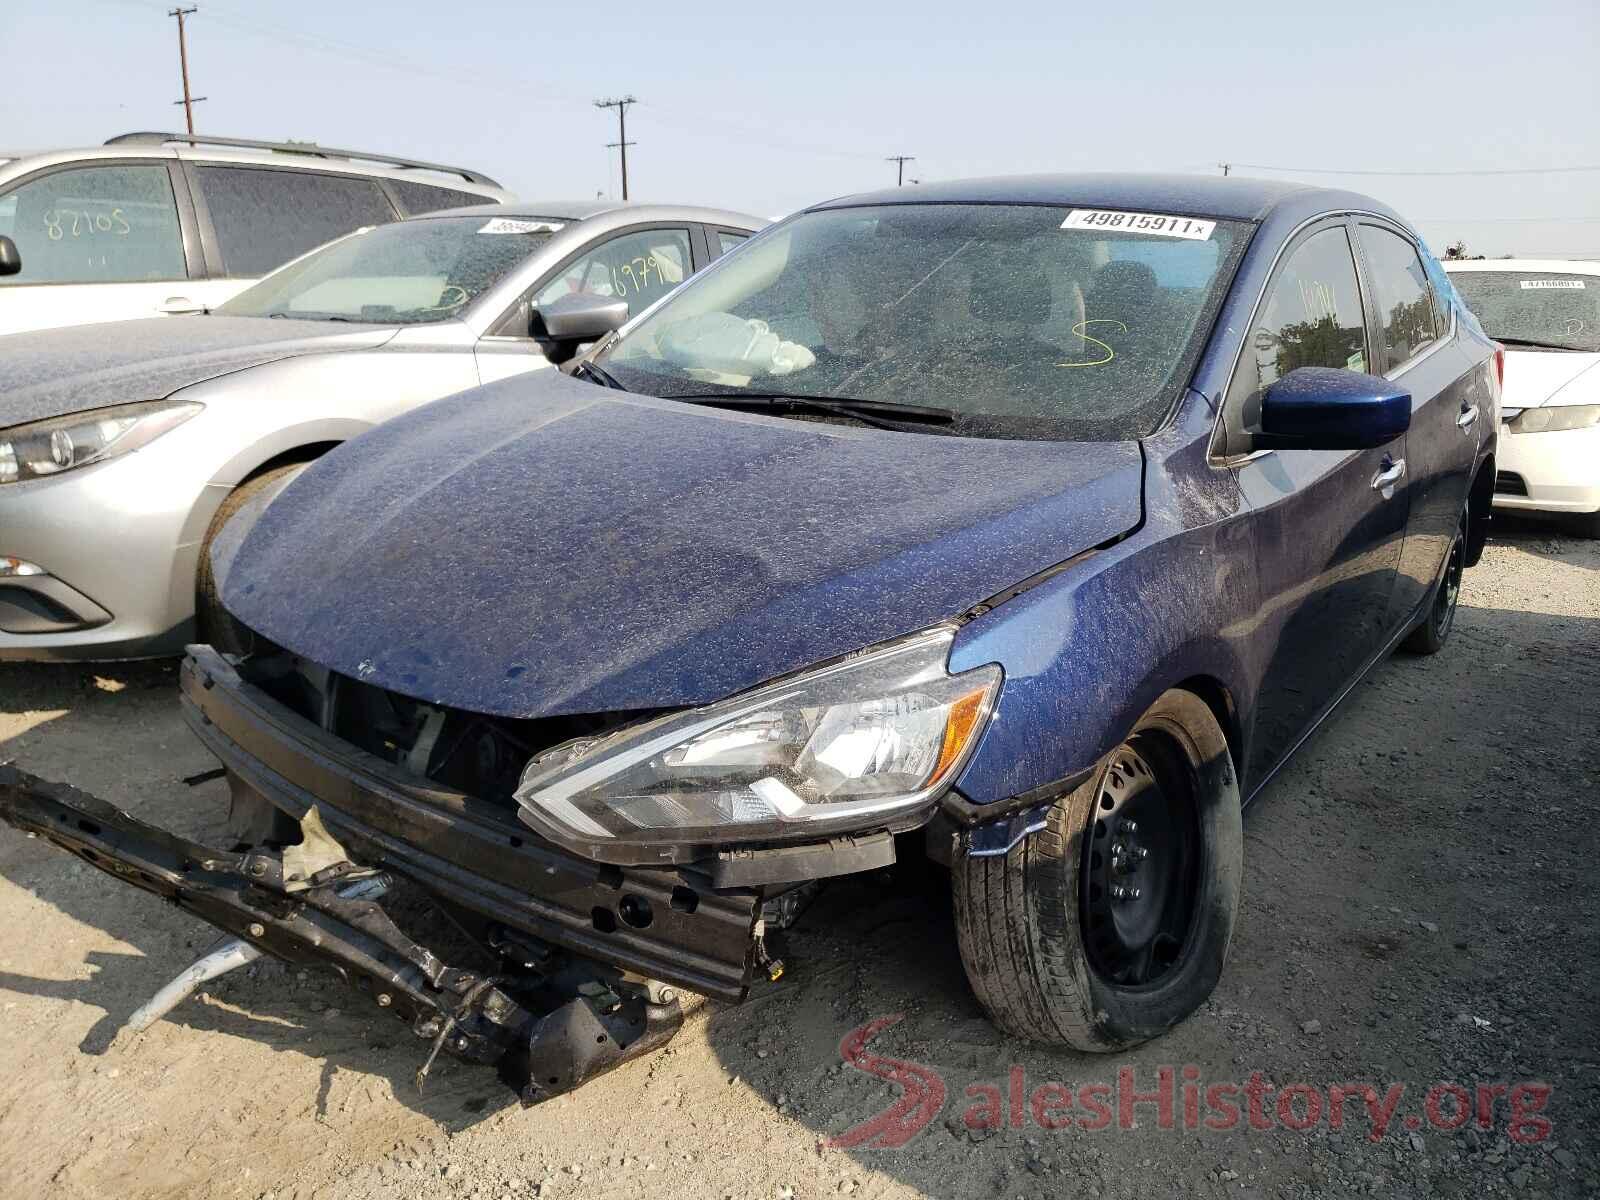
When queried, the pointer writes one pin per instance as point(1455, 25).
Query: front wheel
point(1111, 924)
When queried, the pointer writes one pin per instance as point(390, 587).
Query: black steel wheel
point(1140, 880)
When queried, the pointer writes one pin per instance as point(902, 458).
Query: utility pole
point(188, 101)
point(1226, 167)
point(900, 161)
point(622, 143)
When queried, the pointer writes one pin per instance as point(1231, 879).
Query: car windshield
point(1023, 321)
point(1556, 309)
point(407, 273)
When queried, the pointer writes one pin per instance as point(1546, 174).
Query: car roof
point(1578, 266)
point(288, 156)
point(582, 210)
point(1231, 197)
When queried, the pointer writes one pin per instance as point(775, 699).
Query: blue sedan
point(1027, 524)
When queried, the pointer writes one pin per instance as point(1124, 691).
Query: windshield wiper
point(599, 374)
point(281, 315)
point(1536, 343)
point(882, 413)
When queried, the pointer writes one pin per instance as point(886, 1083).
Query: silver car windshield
point(1559, 311)
point(408, 273)
point(1021, 320)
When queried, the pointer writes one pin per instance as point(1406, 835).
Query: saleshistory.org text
point(1179, 1098)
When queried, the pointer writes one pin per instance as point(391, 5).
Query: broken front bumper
point(659, 922)
point(586, 951)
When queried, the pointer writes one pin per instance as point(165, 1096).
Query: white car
point(1546, 313)
point(165, 223)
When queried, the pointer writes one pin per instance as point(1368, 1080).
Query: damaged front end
point(588, 957)
point(590, 913)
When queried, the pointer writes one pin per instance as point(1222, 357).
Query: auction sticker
point(509, 225)
point(1155, 224)
point(1575, 284)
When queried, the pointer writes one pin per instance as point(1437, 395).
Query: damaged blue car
point(1026, 525)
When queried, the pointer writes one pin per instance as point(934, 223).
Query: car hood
point(1539, 377)
point(57, 372)
point(544, 546)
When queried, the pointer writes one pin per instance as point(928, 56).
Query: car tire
point(1050, 955)
point(213, 623)
point(1430, 636)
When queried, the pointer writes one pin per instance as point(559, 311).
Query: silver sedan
point(124, 447)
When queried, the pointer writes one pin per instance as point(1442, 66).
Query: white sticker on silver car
point(509, 225)
point(1155, 224)
point(1553, 283)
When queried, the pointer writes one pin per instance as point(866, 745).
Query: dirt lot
point(1422, 901)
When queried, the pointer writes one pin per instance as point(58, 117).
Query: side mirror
point(579, 318)
point(10, 256)
point(1324, 408)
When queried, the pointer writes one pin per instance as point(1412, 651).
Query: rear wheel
point(1430, 636)
point(213, 623)
point(1111, 924)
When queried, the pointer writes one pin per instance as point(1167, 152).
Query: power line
point(622, 143)
point(1471, 171)
point(188, 101)
point(900, 161)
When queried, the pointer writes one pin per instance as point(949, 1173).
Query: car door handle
point(1467, 419)
point(177, 306)
point(1385, 479)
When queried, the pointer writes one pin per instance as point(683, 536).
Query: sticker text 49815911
point(1154, 224)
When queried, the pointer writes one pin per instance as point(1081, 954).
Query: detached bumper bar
point(584, 1031)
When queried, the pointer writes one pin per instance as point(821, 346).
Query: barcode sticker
point(1154, 224)
point(1575, 284)
point(509, 225)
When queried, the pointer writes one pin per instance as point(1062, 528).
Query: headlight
point(1549, 420)
point(849, 745)
point(51, 447)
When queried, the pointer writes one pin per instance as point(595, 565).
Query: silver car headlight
point(46, 448)
point(1550, 420)
point(849, 745)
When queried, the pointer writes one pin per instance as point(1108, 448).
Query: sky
point(769, 108)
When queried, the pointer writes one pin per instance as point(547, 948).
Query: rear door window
point(1313, 315)
point(637, 267)
point(427, 197)
point(112, 224)
point(264, 217)
point(728, 240)
point(1407, 313)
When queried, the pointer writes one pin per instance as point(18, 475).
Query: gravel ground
point(1420, 908)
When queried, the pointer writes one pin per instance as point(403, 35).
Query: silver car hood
point(56, 372)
